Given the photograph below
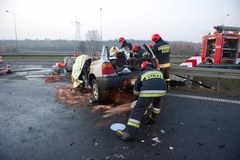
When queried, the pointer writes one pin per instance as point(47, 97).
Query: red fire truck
point(222, 47)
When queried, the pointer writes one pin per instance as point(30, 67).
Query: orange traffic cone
point(1, 71)
point(8, 68)
point(1, 61)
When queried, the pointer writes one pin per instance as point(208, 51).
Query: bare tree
point(93, 37)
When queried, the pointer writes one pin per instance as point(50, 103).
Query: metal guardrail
point(66, 54)
point(217, 73)
point(36, 54)
point(174, 69)
point(206, 72)
point(225, 66)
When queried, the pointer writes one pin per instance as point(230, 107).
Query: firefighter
point(126, 47)
point(124, 44)
point(137, 50)
point(149, 88)
point(161, 50)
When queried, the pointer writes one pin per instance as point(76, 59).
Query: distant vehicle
point(221, 47)
point(105, 72)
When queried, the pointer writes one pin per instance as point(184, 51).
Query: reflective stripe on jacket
point(150, 83)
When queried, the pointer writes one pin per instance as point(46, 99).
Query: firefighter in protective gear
point(124, 44)
point(138, 51)
point(149, 88)
point(161, 49)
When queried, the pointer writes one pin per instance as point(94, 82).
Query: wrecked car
point(104, 72)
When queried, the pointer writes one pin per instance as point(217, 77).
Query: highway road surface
point(34, 124)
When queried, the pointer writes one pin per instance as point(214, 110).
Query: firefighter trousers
point(138, 111)
point(165, 72)
point(166, 75)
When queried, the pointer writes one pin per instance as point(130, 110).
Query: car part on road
point(199, 83)
point(117, 126)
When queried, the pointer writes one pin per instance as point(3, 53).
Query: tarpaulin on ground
point(77, 69)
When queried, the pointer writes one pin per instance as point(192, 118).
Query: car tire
point(98, 95)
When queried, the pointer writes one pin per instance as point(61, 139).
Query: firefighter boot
point(152, 118)
point(123, 135)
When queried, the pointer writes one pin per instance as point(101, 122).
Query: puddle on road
point(118, 103)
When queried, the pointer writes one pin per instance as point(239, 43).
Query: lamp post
point(14, 26)
point(101, 21)
point(224, 17)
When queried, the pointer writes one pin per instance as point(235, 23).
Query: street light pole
point(224, 17)
point(101, 21)
point(15, 28)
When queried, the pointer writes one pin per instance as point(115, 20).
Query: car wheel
point(97, 94)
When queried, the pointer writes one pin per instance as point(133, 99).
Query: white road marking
point(204, 98)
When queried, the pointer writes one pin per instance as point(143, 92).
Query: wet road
point(34, 125)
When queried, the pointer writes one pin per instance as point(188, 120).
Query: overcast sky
point(185, 20)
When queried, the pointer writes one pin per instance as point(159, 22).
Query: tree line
point(92, 44)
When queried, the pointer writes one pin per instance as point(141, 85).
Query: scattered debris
point(117, 126)
point(162, 131)
point(119, 156)
point(154, 144)
point(70, 96)
point(156, 140)
point(94, 142)
point(171, 148)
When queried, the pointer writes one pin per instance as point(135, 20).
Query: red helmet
point(155, 37)
point(121, 39)
point(144, 64)
point(135, 47)
point(150, 46)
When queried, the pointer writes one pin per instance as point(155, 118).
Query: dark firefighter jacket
point(139, 52)
point(127, 46)
point(150, 83)
point(161, 49)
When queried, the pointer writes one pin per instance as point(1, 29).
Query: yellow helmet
point(114, 50)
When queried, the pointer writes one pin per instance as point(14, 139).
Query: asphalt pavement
point(191, 126)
